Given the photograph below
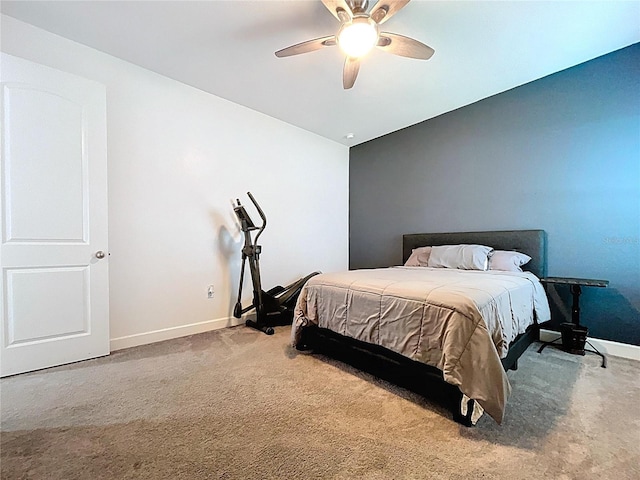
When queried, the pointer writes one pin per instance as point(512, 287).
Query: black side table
point(575, 287)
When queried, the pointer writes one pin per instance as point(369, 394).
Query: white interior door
point(55, 280)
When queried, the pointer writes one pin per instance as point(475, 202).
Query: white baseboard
point(173, 332)
point(605, 346)
point(608, 347)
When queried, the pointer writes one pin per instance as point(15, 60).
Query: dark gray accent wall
point(560, 154)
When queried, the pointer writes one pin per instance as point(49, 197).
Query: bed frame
point(418, 377)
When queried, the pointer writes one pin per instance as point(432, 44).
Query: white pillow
point(419, 257)
point(508, 261)
point(465, 257)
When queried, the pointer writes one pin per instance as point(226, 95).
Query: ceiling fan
point(359, 32)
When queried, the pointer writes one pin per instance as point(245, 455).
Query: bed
point(466, 327)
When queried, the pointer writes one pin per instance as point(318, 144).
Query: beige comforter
point(459, 321)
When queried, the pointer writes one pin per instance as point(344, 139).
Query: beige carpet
point(237, 404)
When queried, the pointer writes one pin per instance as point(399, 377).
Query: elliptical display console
point(273, 307)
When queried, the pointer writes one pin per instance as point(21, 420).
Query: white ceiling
point(227, 48)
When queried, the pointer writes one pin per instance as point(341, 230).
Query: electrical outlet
point(210, 291)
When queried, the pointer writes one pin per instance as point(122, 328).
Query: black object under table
point(574, 335)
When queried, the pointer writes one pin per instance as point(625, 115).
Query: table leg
point(575, 309)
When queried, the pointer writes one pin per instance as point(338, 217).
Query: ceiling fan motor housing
point(358, 6)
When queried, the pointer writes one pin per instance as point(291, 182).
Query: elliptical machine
point(275, 306)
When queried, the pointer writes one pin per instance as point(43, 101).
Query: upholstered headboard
point(531, 242)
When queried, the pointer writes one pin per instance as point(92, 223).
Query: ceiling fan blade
point(385, 9)
point(350, 72)
point(339, 9)
point(404, 46)
point(308, 46)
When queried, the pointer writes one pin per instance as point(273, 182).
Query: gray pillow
point(508, 261)
point(465, 257)
point(419, 257)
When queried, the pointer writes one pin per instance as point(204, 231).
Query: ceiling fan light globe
point(358, 37)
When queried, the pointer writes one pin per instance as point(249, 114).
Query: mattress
point(458, 321)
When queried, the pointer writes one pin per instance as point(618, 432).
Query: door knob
point(99, 254)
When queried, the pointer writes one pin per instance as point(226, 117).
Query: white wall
point(177, 156)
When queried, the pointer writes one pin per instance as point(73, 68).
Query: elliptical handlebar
point(262, 216)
